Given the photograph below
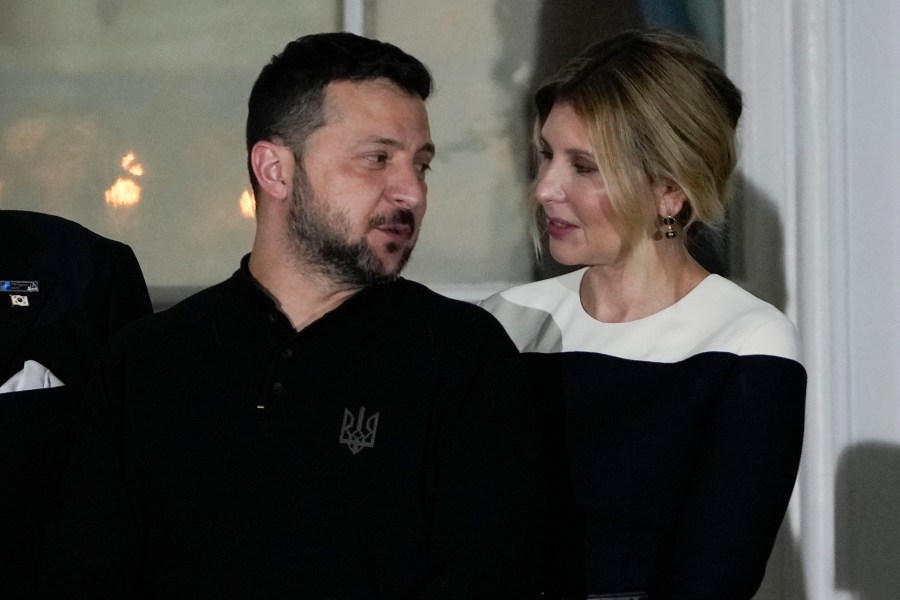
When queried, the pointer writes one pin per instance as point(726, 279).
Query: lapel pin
point(18, 300)
point(7, 285)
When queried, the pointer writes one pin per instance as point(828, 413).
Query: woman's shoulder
point(546, 294)
point(530, 312)
point(740, 322)
point(717, 316)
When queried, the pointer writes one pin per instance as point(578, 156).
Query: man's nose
point(407, 186)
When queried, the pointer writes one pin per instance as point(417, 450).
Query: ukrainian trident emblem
point(352, 432)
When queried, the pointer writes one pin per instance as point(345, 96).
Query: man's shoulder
point(64, 248)
point(449, 323)
point(440, 308)
point(41, 221)
point(56, 231)
point(184, 320)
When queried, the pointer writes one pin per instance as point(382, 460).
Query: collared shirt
point(385, 450)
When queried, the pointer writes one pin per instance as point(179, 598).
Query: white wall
point(819, 171)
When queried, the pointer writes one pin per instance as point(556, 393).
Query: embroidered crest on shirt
point(18, 300)
point(358, 432)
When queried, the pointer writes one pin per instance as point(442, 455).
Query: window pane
point(128, 117)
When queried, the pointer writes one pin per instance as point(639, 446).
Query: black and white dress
point(673, 440)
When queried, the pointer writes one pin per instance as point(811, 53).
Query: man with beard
point(315, 426)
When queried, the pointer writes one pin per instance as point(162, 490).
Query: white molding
point(164, 297)
point(354, 16)
point(472, 292)
point(788, 58)
point(894, 78)
point(823, 276)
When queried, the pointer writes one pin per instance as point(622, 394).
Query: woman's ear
point(670, 199)
point(273, 165)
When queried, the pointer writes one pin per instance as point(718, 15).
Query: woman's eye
point(584, 169)
point(545, 155)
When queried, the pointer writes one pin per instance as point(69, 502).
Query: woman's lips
point(558, 227)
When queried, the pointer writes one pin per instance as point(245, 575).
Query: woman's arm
point(740, 488)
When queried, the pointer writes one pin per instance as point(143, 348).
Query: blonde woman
point(673, 400)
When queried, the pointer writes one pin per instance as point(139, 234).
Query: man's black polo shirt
point(387, 450)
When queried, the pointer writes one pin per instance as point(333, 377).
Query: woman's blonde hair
point(657, 110)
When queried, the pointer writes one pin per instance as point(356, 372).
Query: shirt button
point(272, 317)
point(277, 387)
point(287, 353)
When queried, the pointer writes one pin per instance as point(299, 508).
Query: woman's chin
point(565, 259)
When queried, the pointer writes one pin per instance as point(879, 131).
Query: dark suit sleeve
point(488, 488)
point(92, 537)
point(128, 295)
point(89, 288)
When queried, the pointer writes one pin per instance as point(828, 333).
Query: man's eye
point(423, 168)
point(545, 155)
point(377, 158)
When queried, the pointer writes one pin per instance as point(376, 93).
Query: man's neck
point(302, 295)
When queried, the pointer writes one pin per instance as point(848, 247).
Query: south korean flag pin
point(18, 300)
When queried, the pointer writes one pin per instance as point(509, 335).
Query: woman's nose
point(547, 187)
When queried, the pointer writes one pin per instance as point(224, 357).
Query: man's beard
point(321, 238)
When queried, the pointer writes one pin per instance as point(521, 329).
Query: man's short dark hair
point(287, 98)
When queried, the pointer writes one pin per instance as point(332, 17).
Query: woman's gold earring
point(669, 221)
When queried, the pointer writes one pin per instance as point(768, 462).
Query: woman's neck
point(647, 281)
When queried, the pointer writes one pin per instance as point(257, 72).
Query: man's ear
point(273, 165)
point(670, 199)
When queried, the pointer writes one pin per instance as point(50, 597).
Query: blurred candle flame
point(130, 165)
point(124, 192)
point(248, 204)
